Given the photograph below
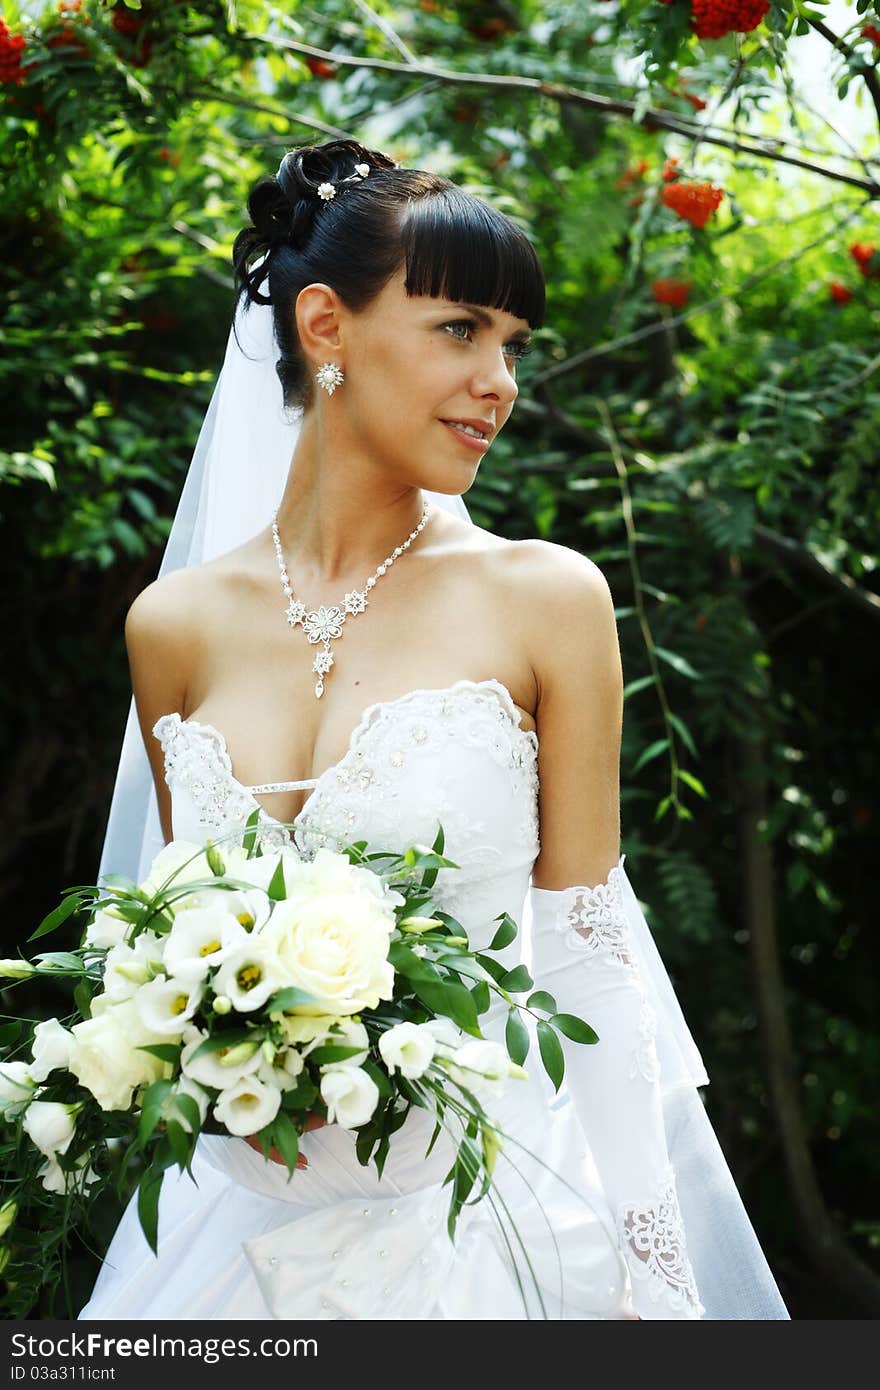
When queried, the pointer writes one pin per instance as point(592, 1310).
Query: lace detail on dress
point(652, 1235)
point(644, 1061)
point(196, 758)
point(594, 923)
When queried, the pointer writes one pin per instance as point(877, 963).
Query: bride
point(371, 364)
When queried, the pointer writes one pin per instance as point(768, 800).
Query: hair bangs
point(459, 248)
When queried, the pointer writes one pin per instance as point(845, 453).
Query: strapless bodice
point(456, 756)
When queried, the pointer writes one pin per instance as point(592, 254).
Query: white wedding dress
point(585, 1173)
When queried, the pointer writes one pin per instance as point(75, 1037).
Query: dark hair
point(452, 243)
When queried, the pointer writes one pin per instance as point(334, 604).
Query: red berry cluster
point(695, 202)
point(674, 292)
point(12, 46)
point(867, 258)
point(136, 48)
point(712, 19)
point(872, 32)
point(839, 292)
point(67, 34)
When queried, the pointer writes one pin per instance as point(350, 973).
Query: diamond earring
point(329, 376)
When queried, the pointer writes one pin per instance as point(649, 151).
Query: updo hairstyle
point(452, 243)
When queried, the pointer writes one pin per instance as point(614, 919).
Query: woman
point(479, 687)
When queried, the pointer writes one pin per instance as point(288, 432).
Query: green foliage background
point(718, 461)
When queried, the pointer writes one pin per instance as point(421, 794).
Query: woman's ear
point(318, 320)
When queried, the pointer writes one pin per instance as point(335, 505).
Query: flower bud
point(16, 969)
point(136, 971)
point(239, 1052)
point(222, 1004)
point(215, 863)
point(268, 1050)
point(419, 924)
point(7, 1215)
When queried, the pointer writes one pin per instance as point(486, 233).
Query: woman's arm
point(583, 949)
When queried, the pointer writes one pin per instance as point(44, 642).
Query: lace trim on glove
point(652, 1235)
point(595, 922)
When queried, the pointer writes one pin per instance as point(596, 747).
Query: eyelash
point(521, 349)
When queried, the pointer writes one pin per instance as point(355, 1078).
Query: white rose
point(407, 1047)
point(105, 1059)
point(106, 928)
point(351, 1096)
point(16, 1087)
point(247, 1106)
point(166, 1006)
point(331, 872)
point(209, 1070)
point(50, 1125)
point(52, 1045)
point(201, 938)
point(249, 975)
point(333, 942)
point(348, 1034)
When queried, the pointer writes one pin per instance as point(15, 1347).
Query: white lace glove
point(583, 954)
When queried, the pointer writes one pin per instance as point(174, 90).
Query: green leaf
point(678, 663)
point(506, 933)
point(82, 998)
point(516, 980)
point(333, 1052)
point(516, 1036)
point(148, 1205)
point(189, 1109)
point(9, 1033)
point(652, 751)
point(220, 1040)
point(693, 782)
point(179, 1141)
point(166, 1052)
point(551, 1053)
point(290, 998)
point(481, 997)
point(58, 915)
point(541, 1000)
point(277, 889)
point(574, 1028)
point(286, 1139)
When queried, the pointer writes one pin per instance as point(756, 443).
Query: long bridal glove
point(585, 954)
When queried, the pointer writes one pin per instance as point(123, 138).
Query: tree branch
point(869, 73)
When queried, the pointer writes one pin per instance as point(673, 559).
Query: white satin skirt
point(247, 1240)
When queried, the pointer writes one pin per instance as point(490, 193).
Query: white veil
point(234, 483)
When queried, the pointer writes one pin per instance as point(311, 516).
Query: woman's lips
point(481, 445)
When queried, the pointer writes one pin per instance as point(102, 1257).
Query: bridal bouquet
point(239, 991)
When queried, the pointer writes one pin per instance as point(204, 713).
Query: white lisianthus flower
point(351, 1096)
point(166, 1006)
point(348, 1034)
point(479, 1065)
point(249, 975)
point(200, 939)
point(184, 1086)
point(52, 1046)
point(127, 967)
point(444, 1031)
point(106, 928)
point(283, 1071)
point(407, 1047)
point(50, 1125)
point(54, 1178)
point(16, 1087)
point(171, 863)
point(260, 870)
point(247, 1106)
point(208, 1070)
point(332, 940)
point(105, 1057)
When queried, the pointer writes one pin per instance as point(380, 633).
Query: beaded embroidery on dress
point(603, 1230)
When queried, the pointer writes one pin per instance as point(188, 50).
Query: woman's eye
point(517, 350)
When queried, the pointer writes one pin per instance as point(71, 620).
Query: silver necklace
point(326, 624)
